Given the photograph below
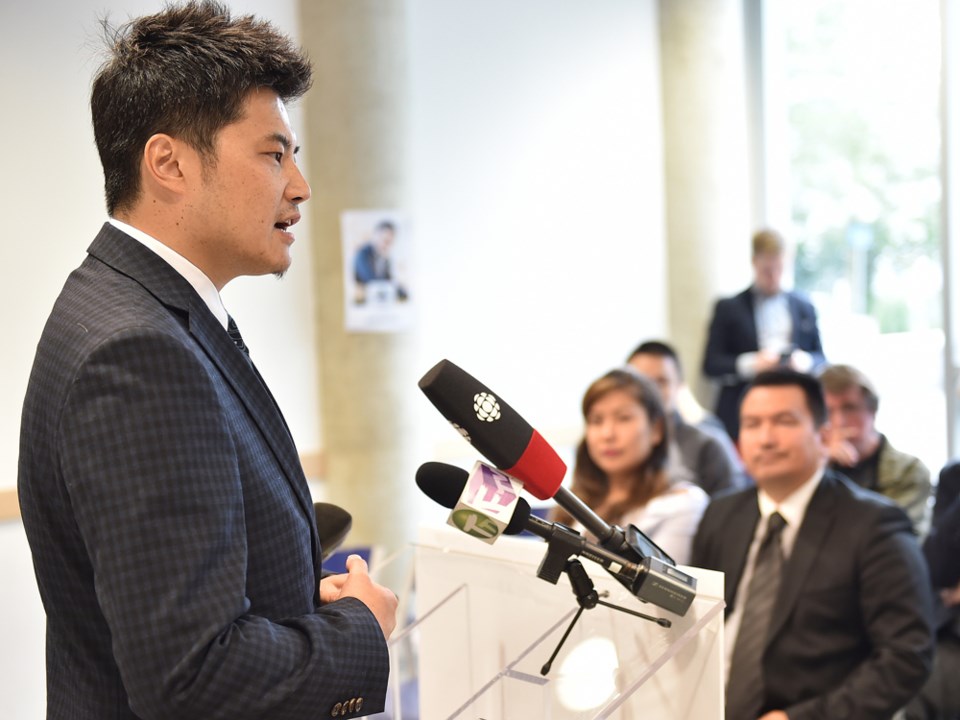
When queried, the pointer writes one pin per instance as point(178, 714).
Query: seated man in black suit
point(762, 327)
point(940, 697)
point(711, 458)
point(829, 611)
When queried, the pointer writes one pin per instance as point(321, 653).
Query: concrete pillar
point(355, 146)
point(707, 165)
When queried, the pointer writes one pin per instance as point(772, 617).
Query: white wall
point(537, 177)
point(537, 197)
point(22, 675)
point(51, 202)
point(536, 206)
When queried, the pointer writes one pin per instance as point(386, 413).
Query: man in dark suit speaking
point(171, 526)
point(762, 327)
point(829, 611)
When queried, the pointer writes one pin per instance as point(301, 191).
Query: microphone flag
point(487, 503)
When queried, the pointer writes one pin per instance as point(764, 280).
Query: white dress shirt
point(774, 325)
point(771, 317)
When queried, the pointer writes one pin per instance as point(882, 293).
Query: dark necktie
point(234, 332)
point(745, 686)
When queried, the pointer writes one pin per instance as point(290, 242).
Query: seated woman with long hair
point(621, 465)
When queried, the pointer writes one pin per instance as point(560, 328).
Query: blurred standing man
point(829, 610)
point(711, 459)
point(171, 526)
point(863, 454)
point(761, 328)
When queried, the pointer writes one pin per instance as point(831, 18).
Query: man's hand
point(330, 587)
point(801, 361)
point(356, 583)
point(767, 360)
point(950, 596)
point(775, 715)
point(839, 448)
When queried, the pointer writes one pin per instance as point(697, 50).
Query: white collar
point(793, 508)
point(190, 272)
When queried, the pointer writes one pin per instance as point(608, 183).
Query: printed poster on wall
point(376, 282)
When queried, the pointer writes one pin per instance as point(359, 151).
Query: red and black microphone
point(497, 431)
point(494, 428)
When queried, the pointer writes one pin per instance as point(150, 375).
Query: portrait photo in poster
point(376, 283)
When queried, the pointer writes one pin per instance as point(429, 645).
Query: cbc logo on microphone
point(486, 407)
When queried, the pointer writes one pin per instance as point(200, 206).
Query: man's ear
point(167, 164)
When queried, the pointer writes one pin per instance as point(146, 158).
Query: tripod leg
point(546, 667)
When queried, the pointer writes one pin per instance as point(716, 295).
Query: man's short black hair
point(660, 349)
point(185, 71)
point(785, 377)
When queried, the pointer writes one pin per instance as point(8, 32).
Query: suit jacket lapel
point(752, 339)
point(131, 258)
point(254, 394)
point(740, 536)
point(806, 548)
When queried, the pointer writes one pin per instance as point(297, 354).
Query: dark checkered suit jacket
point(171, 526)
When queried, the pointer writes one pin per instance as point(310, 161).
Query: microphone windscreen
point(518, 522)
point(494, 428)
point(441, 482)
point(491, 426)
point(333, 524)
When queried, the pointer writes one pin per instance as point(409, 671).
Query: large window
point(858, 89)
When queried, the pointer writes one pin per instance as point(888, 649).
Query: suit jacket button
point(359, 704)
point(336, 710)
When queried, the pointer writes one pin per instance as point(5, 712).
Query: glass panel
point(485, 625)
point(860, 80)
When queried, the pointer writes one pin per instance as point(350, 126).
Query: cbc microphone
point(494, 428)
point(650, 580)
point(510, 442)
